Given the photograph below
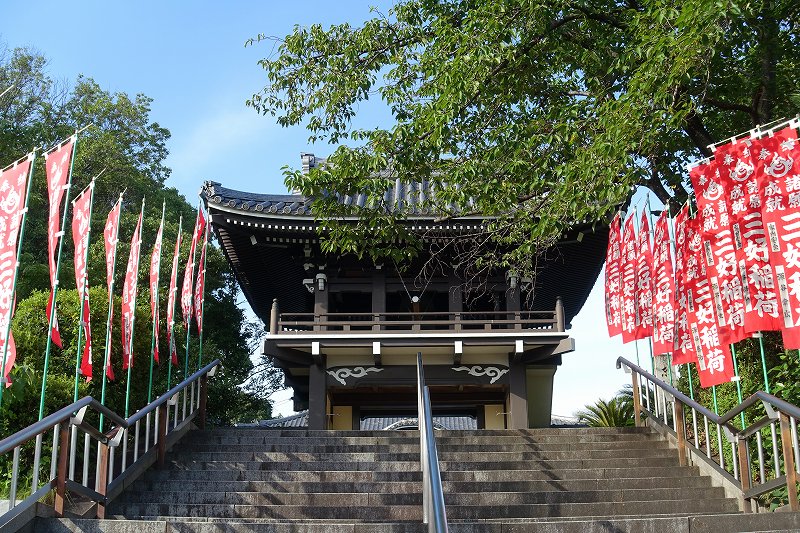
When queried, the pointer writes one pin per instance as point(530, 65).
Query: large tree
point(537, 113)
point(129, 148)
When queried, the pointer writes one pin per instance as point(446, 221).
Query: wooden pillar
point(680, 429)
point(517, 404)
point(320, 306)
point(514, 306)
point(317, 396)
point(273, 317)
point(201, 416)
point(637, 400)
point(163, 415)
point(378, 296)
point(744, 470)
point(788, 463)
point(455, 301)
point(61, 476)
point(102, 475)
point(560, 321)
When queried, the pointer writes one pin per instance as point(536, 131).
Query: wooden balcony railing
point(442, 321)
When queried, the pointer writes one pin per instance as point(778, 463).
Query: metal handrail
point(72, 419)
point(778, 412)
point(433, 507)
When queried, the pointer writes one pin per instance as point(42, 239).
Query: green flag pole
point(171, 325)
point(738, 380)
point(107, 356)
point(83, 289)
point(763, 362)
point(55, 286)
point(32, 158)
point(154, 289)
point(133, 324)
point(202, 267)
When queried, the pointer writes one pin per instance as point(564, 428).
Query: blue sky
point(191, 59)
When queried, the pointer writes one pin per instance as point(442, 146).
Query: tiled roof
point(410, 197)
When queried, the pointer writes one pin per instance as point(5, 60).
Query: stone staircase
point(545, 480)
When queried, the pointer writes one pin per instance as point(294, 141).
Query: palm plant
point(616, 412)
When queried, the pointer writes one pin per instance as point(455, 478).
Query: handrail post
point(744, 469)
point(637, 399)
point(201, 422)
point(61, 479)
point(680, 429)
point(162, 434)
point(102, 478)
point(788, 463)
point(560, 326)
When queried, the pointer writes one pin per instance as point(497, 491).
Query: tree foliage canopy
point(123, 141)
point(537, 113)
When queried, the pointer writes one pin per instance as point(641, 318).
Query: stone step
point(401, 487)
point(414, 512)
point(324, 499)
point(471, 476)
point(555, 465)
point(719, 523)
point(311, 447)
point(440, 440)
point(444, 455)
point(302, 432)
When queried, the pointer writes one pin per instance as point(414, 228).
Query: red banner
point(173, 293)
point(613, 286)
point(13, 187)
point(129, 296)
point(761, 311)
point(188, 275)
point(714, 362)
point(110, 236)
point(628, 270)
point(719, 253)
point(709, 328)
point(155, 268)
point(780, 185)
point(57, 168)
point(664, 288)
point(686, 272)
point(81, 221)
point(199, 287)
point(644, 281)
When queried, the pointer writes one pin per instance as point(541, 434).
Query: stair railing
point(171, 423)
point(666, 406)
point(433, 510)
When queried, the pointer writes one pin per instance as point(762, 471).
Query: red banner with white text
point(129, 296)
point(779, 180)
point(613, 292)
point(200, 285)
point(81, 219)
point(663, 288)
point(714, 243)
point(761, 309)
point(57, 168)
point(173, 294)
point(188, 275)
point(686, 271)
point(13, 190)
point(110, 237)
point(644, 280)
point(628, 274)
point(155, 267)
